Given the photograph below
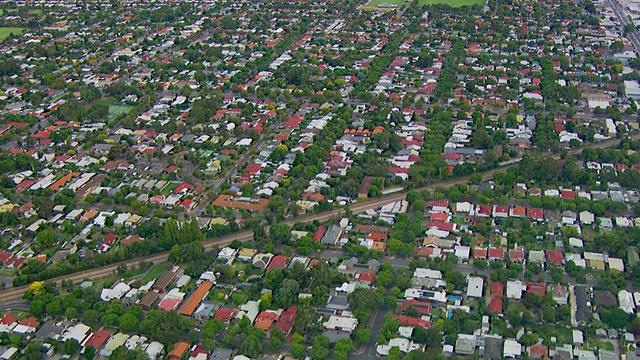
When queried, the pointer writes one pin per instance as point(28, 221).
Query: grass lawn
point(452, 3)
point(153, 273)
point(116, 110)
point(5, 31)
point(168, 190)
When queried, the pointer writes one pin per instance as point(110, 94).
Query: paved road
point(624, 19)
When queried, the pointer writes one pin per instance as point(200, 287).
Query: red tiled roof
point(516, 255)
point(423, 308)
point(365, 277)
point(225, 314)
point(496, 289)
point(411, 321)
point(496, 253)
point(278, 262)
point(554, 256)
point(495, 305)
point(97, 339)
point(537, 214)
point(537, 288)
point(8, 319)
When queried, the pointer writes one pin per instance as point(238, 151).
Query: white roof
point(341, 323)
point(427, 273)
point(512, 348)
point(475, 287)
point(79, 332)
point(625, 299)
point(578, 338)
point(464, 207)
point(462, 252)
point(515, 289)
point(616, 264)
point(575, 242)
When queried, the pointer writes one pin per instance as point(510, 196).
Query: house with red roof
point(97, 339)
point(107, 243)
point(480, 253)
point(423, 308)
point(537, 288)
point(501, 211)
point(412, 321)
point(27, 326)
point(293, 122)
point(287, 318)
point(278, 262)
point(536, 214)
point(516, 255)
point(496, 292)
point(538, 351)
point(443, 226)
point(366, 277)
point(485, 210)
point(265, 319)
point(440, 216)
point(8, 322)
point(317, 236)
point(554, 257)
point(183, 188)
point(568, 194)
point(518, 211)
point(496, 254)
point(225, 314)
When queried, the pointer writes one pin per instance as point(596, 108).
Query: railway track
point(16, 293)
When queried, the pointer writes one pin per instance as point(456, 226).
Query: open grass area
point(168, 190)
point(153, 273)
point(116, 110)
point(452, 3)
point(6, 31)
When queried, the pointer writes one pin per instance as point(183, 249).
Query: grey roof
point(608, 355)
point(48, 330)
point(335, 335)
point(583, 312)
point(493, 348)
point(221, 354)
point(337, 302)
point(331, 236)
point(604, 298)
point(205, 310)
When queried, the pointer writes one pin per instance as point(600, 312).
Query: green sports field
point(5, 31)
point(116, 110)
point(452, 3)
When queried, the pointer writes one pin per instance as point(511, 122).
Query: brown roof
point(149, 299)
point(195, 299)
point(179, 351)
point(164, 280)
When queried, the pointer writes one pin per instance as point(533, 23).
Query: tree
point(89, 352)
point(71, 346)
point(287, 293)
point(615, 318)
point(274, 344)
point(298, 350)
point(280, 233)
point(361, 336)
point(252, 347)
point(37, 288)
point(128, 322)
point(320, 349)
point(363, 301)
point(46, 238)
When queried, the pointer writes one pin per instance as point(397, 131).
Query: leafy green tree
point(298, 351)
point(71, 346)
point(128, 322)
point(252, 347)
